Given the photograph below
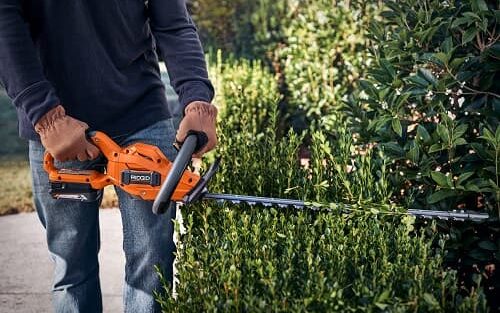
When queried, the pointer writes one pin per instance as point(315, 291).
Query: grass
point(15, 192)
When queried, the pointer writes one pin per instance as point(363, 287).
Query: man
point(73, 65)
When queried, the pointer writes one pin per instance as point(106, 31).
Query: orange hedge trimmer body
point(139, 169)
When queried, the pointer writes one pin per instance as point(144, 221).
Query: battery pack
point(75, 191)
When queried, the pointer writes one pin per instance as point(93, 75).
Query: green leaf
point(419, 81)
point(463, 177)
point(472, 16)
point(479, 254)
point(447, 46)
point(384, 295)
point(493, 51)
point(393, 149)
point(436, 147)
point(443, 133)
point(488, 136)
point(428, 75)
point(460, 21)
point(460, 142)
point(443, 57)
point(488, 245)
point(396, 126)
point(414, 153)
point(388, 67)
point(477, 185)
point(441, 195)
point(441, 179)
point(479, 5)
point(460, 130)
point(423, 134)
point(381, 306)
point(468, 35)
point(369, 88)
point(430, 300)
point(455, 64)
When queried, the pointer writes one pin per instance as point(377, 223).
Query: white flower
point(447, 92)
point(429, 95)
point(461, 101)
point(452, 101)
point(462, 84)
point(363, 95)
point(451, 115)
point(438, 168)
point(398, 91)
point(459, 92)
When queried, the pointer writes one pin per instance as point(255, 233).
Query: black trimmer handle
point(162, 201)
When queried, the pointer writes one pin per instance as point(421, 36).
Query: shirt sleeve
point(179, 45)
point(20, 69)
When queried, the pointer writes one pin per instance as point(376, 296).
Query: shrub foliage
point(432, 102)
point(422, 133)
point(238, 258)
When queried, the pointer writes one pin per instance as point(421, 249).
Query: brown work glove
point(64, 137)
point(199, 116)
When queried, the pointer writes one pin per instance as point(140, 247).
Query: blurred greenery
point(11, 145)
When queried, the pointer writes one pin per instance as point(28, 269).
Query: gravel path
point(26, 267)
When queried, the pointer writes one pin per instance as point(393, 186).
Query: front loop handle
point(163, 200)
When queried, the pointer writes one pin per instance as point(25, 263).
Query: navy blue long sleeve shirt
point(98, 59)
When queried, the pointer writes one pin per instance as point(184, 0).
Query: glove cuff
point(49, 119)
point(200, 107)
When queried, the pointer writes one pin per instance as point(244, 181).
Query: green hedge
point(237, 258)
point(325, 51)
point(433, 102)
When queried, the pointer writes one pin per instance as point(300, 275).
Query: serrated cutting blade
point(456, 215)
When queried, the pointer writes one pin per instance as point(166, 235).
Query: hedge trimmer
point(143, 171)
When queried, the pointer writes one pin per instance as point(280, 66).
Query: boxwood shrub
point(235, 258)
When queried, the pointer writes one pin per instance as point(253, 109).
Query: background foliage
point(432, 104)
point(318, 49)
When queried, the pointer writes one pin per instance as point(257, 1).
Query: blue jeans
point(72, 230)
